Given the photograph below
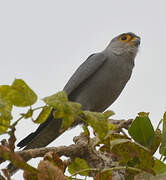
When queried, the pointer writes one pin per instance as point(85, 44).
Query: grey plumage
point(96, 84)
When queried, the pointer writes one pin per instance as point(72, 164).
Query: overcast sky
point(43, 42)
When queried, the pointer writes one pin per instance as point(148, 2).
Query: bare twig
point(122, 124)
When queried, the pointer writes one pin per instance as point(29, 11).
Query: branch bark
point(82, 149)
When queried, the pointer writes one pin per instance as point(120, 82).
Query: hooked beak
point(136, 40)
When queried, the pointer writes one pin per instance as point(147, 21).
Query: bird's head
point(125, 44)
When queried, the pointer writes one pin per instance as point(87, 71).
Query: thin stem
point(122, 167)
point(84, 170)
point(38, 108)
point(16, 122)
point(159, 123)
point(22, 116)
point(109, 169)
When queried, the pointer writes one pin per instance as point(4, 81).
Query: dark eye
point(123, 38)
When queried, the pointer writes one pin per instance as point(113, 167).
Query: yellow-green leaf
point(141, 130)
point(5, 116)
point(156, 142)
point(56, 98)
point(63, 109)
point(77, 166)
point(43, 114)
point(86, 130)
point(108, 114)
point(6, 93)
point(76, 107)
point(162, 149)
point(22, 95)
point(159, 167)
point(28, 114)
point(71, 112)
point(67, 122)
point(109, 138)
point(98, 122)
point(133, 154)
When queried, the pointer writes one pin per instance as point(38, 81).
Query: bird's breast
point(100, 90)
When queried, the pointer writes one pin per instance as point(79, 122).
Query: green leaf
point(108, 114)
point(43, 114)
point(76, 108)
point(5, 107)
point(141, 130)
point(68, 114)
point(156, 142)
point(77, 166)
point(6, 93)
point(28, 114)
point(71, 111)
point(22, 95)
point(54, 99)
point(162, 149)
point(98, 122)
point(130, 153)
point(86, 130)
point(159, 167)
point(5, 116)
point(67, 122)
point(63, 109)
point(109, 138)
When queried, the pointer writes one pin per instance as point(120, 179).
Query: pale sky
point(43, 42)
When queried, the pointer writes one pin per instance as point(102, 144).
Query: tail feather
point(44, 135)
point(26, 140)
point(31, 136)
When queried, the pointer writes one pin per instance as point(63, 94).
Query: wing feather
point(85, 70)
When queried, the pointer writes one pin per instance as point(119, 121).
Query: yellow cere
point(132, 41)
point(134, 38)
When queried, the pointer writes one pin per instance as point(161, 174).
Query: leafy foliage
point(138, 133)
point(163, 141)
point(18, 94)
point(63, 108)
point(22, 95)
point(98, 122)
point(5, 115)
point(133, 153)
point(79, 166)
point(43, 115)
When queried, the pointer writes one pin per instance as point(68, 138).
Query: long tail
point(44, 135)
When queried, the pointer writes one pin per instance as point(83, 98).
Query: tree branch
point(82, 149)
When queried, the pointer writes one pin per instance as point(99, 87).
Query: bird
point(96, 84)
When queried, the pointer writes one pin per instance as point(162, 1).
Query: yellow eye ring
point(125, 38)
